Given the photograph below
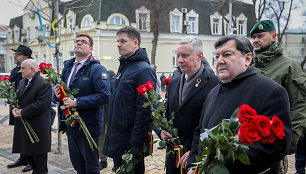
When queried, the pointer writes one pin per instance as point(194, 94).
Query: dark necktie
point(74, 72)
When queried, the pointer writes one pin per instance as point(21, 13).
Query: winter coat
point(288, 73)
point(35, 103)
point(187, 115)
point(130, 122)
point(94, 92)
point(267, 98)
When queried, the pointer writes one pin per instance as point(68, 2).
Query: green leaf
point(74, 91)
point(244, 158)
point(220, 156)
point(129, 167)
point(162, 144)
point(220, 169)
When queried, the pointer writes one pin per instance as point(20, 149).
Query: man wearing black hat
point(271, 62)
point(21, 53)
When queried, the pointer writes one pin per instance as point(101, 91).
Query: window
point(143, 19)
point(302, 51)
point(36, 32)
point(44, 58)
point(174, 59)
point(193, 22)
point(11, 63)
point(175, 23)
point(16, 36)
point(303, 39)
point(117, 20)
point(191, 28)
point(214, 60)
point(216, 24)
point(60, 59)
point(87, 21)
point(71, 24)
point(241, 25)
point(71, 55)
point(36, 58)
point(28, 34)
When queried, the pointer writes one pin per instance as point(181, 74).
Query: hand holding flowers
point(66, 96)
point(232, 138)
point(8, 91)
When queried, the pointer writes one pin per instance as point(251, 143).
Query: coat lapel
point(175, 94)
point(203, 78)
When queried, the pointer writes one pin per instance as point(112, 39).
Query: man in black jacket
point(130, 122)
point(21, 53)
point(186, 96)
point(240, 84)
point(34, 97)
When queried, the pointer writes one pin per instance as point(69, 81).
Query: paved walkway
point(60, 163)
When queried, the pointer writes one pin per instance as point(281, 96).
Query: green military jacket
point(287, 72)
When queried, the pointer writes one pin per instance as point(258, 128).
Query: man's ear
point(136, 42)
point(273, 37)
point(248, 59)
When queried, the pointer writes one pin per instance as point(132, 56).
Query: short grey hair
point(32, 64)
point(195, 43)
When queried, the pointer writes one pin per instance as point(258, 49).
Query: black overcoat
point(187, 115)
point(267, 98)
point(35, 102)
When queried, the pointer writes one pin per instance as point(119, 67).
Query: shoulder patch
point(104, 76)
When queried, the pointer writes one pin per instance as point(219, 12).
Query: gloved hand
point(62, 127)
point(136, 151)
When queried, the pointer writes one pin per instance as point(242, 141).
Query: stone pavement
point(60, 163)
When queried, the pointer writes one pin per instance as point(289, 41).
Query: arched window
point(87, 21)
point(117, 20)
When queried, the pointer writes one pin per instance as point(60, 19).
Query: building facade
point(294, 42)
point(207, 20)
point(3, 29)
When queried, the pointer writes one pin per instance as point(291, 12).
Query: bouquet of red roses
point(7, 90)
point(232, 138)
point(70, 113)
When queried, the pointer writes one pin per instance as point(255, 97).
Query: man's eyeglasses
point(82, 41)
point(18, 54)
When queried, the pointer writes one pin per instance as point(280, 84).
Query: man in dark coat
point(130, 122)
point(186, 96)
point(21, 53)
point(240, 84)
point(91, 78)
point(34, 97)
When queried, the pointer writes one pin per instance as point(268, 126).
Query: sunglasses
point(82, 41)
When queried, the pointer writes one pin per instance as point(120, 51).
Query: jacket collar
point(266, 56)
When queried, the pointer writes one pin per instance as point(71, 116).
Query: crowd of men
point(254, 73)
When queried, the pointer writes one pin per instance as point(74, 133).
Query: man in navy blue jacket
point(91, 78)
point(130, 122)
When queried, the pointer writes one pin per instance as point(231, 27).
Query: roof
point(3, 27)
point(16, 21)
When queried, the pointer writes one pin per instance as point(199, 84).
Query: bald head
point(29, 68)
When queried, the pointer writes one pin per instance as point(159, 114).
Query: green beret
point(262, 26)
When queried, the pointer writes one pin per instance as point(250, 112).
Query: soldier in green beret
point(270, 62)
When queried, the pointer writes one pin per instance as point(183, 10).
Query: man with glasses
point(21, 53)
point(91, 78)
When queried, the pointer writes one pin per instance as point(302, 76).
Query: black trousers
point(170, 165)
point(139, 168)
point(38, 163)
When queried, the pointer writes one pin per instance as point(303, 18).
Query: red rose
point(271, 138)
point(248, 133)
point(41, 67)
point(49, 65)
point(2, 79)
point(278, 127)
point(6, 77)
point(262, 124)
point(149, 85)
point(167, 81)
point(142, 89)
point(245, 113)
